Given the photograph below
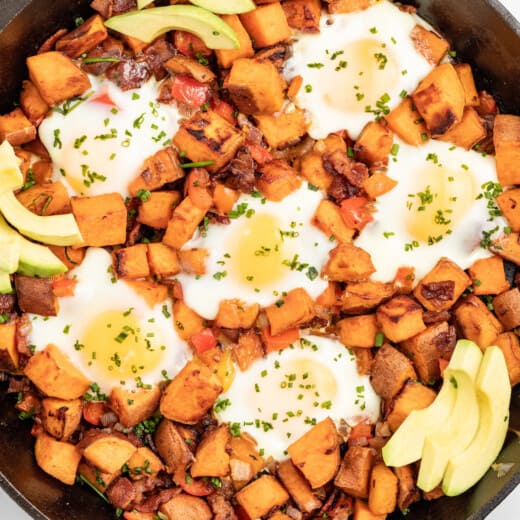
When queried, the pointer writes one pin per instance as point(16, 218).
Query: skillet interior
point(483, 34)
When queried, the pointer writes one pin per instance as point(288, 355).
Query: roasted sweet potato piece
point(413, 396)
point(185, 219)
point(134, 406)
point(98, 479)
point(374, 144)
point(244, 460)
point(407, 123)
point(16, 128)
point(190, 394)
point(193, 261)
point(442, 286)
point(56, 77)
point(509, 344)
point(59, 459)
point(61, 418)
point(206, 136)
point(55, 375)
point(429, 44)
point(400, 318)
point(507, 246)
point(36, 295)
point(378, 184)
point(347, 6)
point(468, 132)
point(506, 137)
point(507, 308)
point(171, 442)
point(158, 170)
point(108, 452)
point(261, 495)
point(348, 263)
point(358, 331)
point(382, 498)
point(163, 260)
point(248, 348)
point(509, 203)
point(187, 507)
point(68, 255)
point(187, 321)
point(157, 210)
point(477, 322)
point(150, 291)
point(85, 37)
point(267, 25)
point(440, 99)
point(296, 308)
point(51, 198)
point(234, 314)
point(468, 83)
point(328, 219)
point(283, 129)
point(311, 164)
point(408, 493)
point(224, 198)
point(131, 262)
point(226, 57)
point(316, 453)
point(33, 106)
point(362, 512)
point(303, 15)
point(101, 219)
point(390, 371)
point(277, 180)
point(353, 476)
point(211, 457)
point(360, 297)
point(488, 276)
point(299, 489)
point(144, 462)
point(9, 356)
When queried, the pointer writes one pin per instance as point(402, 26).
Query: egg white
point(224, 279)
point(100, 148)
point(97, 293)
point(280, 397)
point(371, 47)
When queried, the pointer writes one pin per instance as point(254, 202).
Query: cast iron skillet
point(482, 32)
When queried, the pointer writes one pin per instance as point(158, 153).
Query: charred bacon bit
point(240, 172)
point(7, 303)
point(108, 8)
point(128, 73)
point(156, 54)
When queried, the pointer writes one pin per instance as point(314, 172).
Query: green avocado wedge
point(5, 283)
point(141, 4)
point(228, 7)
point(406, 444)
point(38, 260)
point(148, 24)
point(59, 230)
point(494, 394)
point(9, 247)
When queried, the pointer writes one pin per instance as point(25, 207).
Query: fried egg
point(443, 205)
point(280, 397)
point(266, 249)
point(98, 143)
point(109, 332)
point(359, 65)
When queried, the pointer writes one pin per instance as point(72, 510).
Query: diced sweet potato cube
point(509, 344)
point(234, 314)
point(374, 144)
point(400, 318)
point(226, 57)
point(101, 219)
point(347, 6)
point(109, 452)
point(442, 286)
point(157, 210)
point(507, 308)
point(187, 507)
point(508, 247)
point(488, 274)
point(206, 136)
point(190, 394)
point(413, 396)
point(51, 198)
point(266, 25)
point(468, 83)
point(282, 129)
point(143, 463)
point(382, 498)
point(16, 128)
point(243, 453)
point(211, 457)
point(55, 375)
point(408, 492)
point(9, 356)
point(468, 132)
point(303, 15)
point(98, 479)
point(292, 310)
point(163, 260)
point(185, 219)
point(89, 34)
point(255, 86)
point(328, 218)
point(193, 261)
point(61, 418)
point(259, 497)
point(407, 123)
point(56, 77)
point(187, 321)
point(429, 44)
point(506, 137)
point(348, 263)
point(362, 512)
point(278, 515)
point(58, 459)
point(390, 371)
point(316, 453)
point(378, 184)
point(440, 99)
point(158, 170)
point(131, 262)
point(248, 348)
point(359, 297)
point(299, 489)
point(277, 180)
point(353, 476)
point(358, 331)
point(224, 198)
point(509, 203)
point(32, 104)
point(134, 406)
point(477, 322)
point(150, 291)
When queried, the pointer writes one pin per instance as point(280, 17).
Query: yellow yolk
point(356, 78)
point(259, 251)
point(114, 345)
point(440, 203)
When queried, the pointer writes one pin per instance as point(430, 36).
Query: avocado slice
point(10, 247)
point(59, 230)
point(494, 394)
point(38, 260)
point(143, 3)
point(406, 444)
point(148, 24)
point(10, 175)
point(5, 283)
point(228, 7)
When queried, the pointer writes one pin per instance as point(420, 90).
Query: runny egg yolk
point(357, 75)
point(259, 250)
point(114, 345)
point(440, 203)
